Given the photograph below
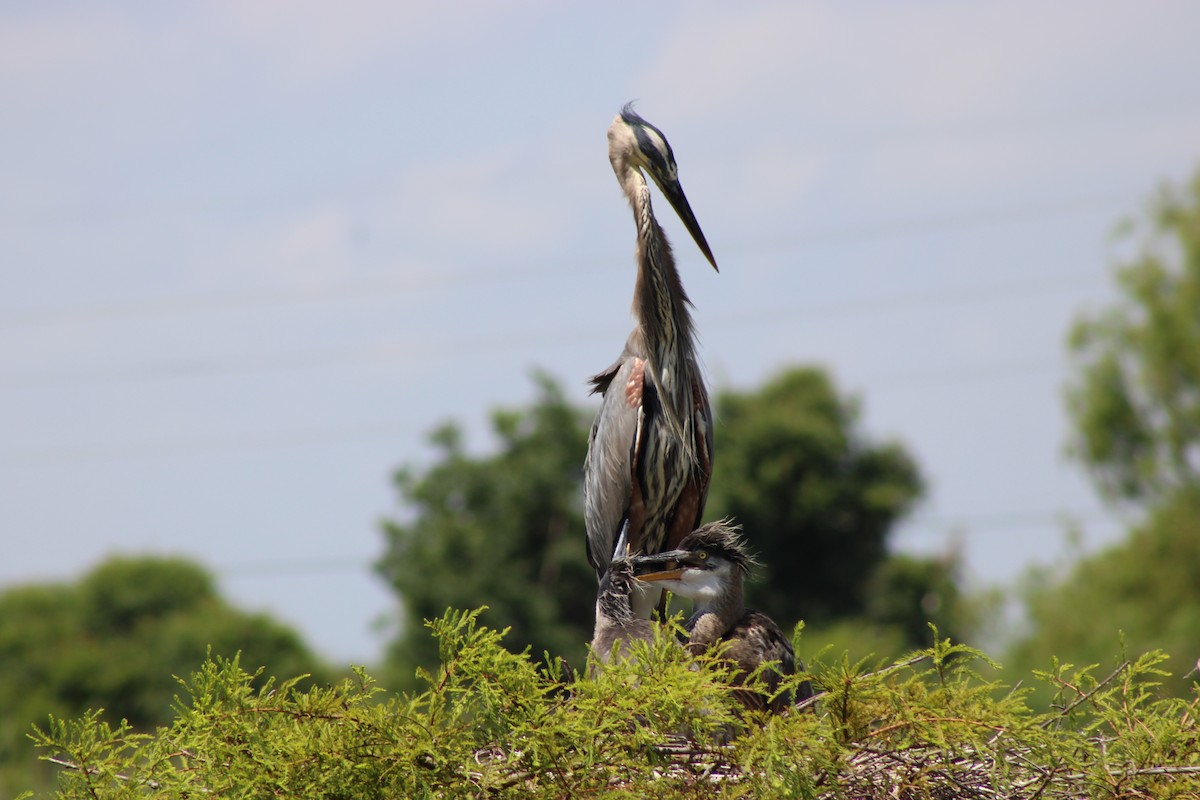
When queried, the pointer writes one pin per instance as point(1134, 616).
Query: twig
point(153, 784)
point(1083, 698)
point(811, 701)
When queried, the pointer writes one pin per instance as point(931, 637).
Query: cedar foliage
point(492, 723)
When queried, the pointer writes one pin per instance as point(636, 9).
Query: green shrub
point(491, 723)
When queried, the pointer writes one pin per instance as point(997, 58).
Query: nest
point(915, 773)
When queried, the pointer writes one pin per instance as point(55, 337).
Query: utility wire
point(958, 525)
point(300, 565)
point(199, 445)
point(990, 520)
point(407, 284)
point(426, 349)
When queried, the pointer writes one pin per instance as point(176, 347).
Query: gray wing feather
point(607, 474)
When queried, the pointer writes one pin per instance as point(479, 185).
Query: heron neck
point(660, 303)
point(714, 619)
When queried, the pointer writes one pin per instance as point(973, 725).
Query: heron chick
point(616, 624)
point(650, 450)
point(709, 568)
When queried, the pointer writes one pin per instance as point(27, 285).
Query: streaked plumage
point(709, 567)
point(650, 450)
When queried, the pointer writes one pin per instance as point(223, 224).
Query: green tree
point(1135, 405)
point(504, 531)
point(1136, 401)
point(1144, 591)
point(113, 641)
point(908, 592)
point(816, 498)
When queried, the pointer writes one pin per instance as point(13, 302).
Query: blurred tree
point(506, 530)
point(817, 500)
point(1135, 405)
point(1145, 590)
point(1136, 401)
point(115, 640)
point(908, 592)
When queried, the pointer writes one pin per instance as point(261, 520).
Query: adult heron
point(650, 451)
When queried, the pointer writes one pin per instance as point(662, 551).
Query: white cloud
point(913, 64)
point(58, 44)
point(478, 202)
point(308, 249)
point(300, 40)
point(307, 39)
point(885, 105)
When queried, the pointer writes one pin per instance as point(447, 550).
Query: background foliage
point(114, 640)
point(505, 530)
point(1135, 404)
point(817, 499)
point(1136, 401)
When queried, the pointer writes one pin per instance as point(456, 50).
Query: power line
point(963, 525)
point(372, 431)
point(978, 522)
point(408, 284)
point(200, 445)
point(969, 525)
point(289, 567)
point(426, 350)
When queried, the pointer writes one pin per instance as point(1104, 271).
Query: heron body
point(709, 567)
point(616, 624)
point(650, 450)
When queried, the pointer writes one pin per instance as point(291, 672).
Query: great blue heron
point(616, 625)
point(650, 451)
point(709, 567)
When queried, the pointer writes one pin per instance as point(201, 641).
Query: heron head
point(634, 142)
point(614, 598)
point(708, 563)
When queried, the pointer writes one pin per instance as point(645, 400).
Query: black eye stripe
point(650, 149)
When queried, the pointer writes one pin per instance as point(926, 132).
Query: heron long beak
point(666, 566)
point(675, 196)
point(665, 575)
point(621, 549)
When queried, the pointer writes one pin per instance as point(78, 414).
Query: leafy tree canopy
point(1144, 591)
point(114, 640)
point(1135, 405)
point(503, 530)
point(816, 498)
point(1136, 402)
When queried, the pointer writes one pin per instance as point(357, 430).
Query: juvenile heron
point(616, 625)
point(650, 450)
point(709, 567)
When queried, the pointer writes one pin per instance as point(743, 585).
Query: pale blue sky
point(253, 252)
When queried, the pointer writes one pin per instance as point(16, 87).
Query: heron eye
point(702, 555)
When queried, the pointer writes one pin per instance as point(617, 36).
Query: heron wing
point(607, 472)
point(689, 508)
point(756, 639)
